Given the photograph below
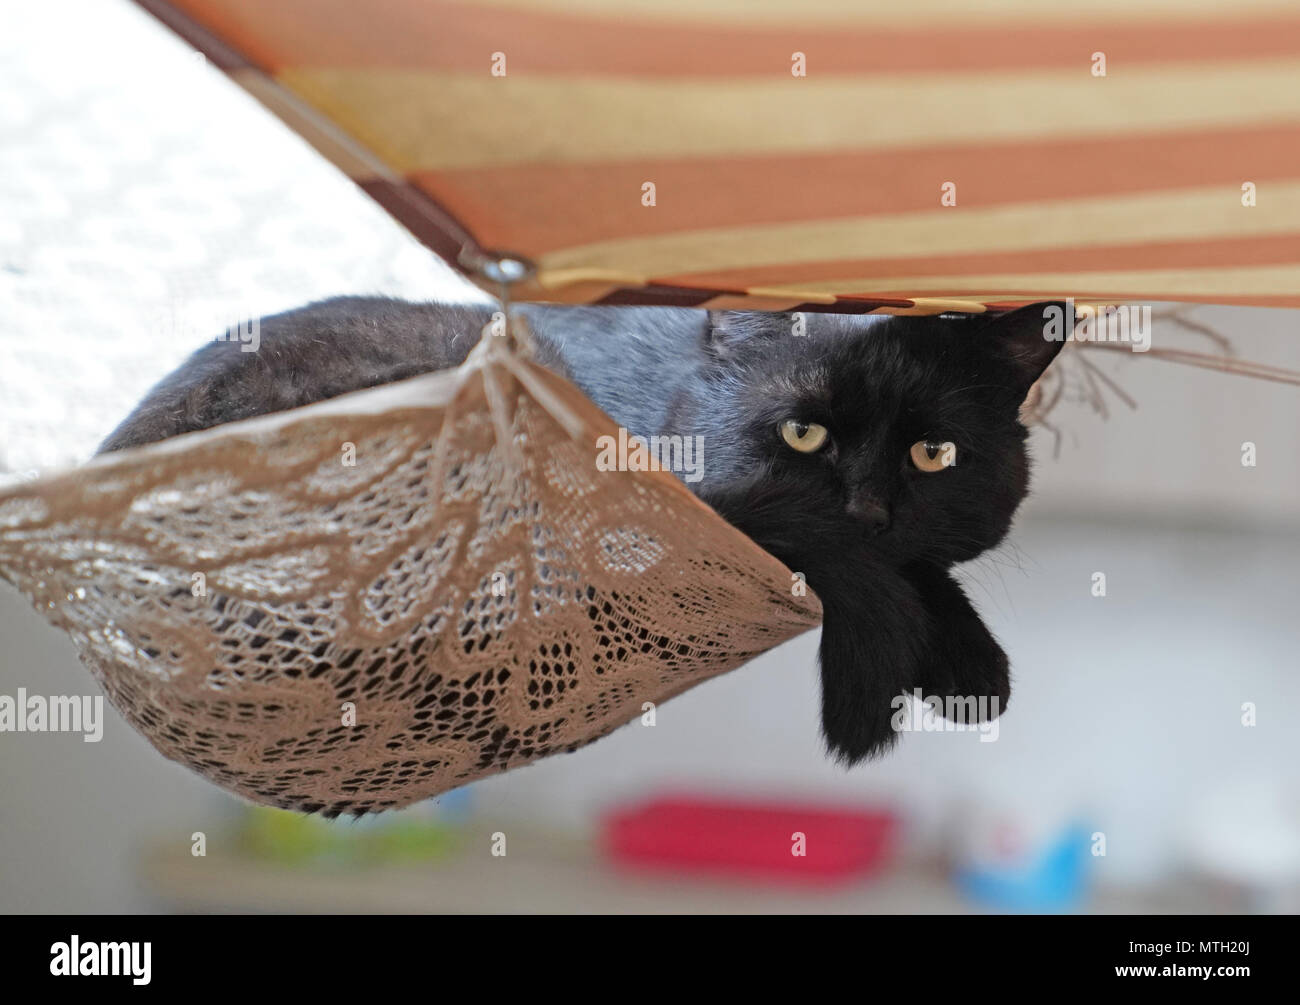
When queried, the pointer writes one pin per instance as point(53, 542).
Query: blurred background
point(1148, 761)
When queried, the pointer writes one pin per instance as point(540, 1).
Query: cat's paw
point(863, 679)
point(973, 682)
point(964, 672)
point(858, 733)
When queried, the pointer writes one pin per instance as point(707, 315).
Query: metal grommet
point(503, 270)
point(501, 267)
point(508, 270)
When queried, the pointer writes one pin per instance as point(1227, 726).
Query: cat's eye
point(928, 455)
point(805, 437)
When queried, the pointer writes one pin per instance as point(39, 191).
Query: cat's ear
point(729, 331)
point(1028, 339)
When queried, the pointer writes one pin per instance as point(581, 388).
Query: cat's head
point(908, 425)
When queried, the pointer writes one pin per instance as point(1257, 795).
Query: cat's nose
point(871, 512)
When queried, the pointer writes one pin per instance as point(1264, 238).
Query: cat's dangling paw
point(859, 731)
point(866, 669)
point(965, 671)
point(973, 684)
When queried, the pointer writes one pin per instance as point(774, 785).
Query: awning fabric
point(1112, 150)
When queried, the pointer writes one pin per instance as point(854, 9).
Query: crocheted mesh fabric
point(366, 602)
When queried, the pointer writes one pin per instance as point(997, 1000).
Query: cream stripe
point(1226, 281)
point(947, 13)
point(754, 302)
point(1186, 214)
point(420, 120)
point(924, 306)
point(331, 142)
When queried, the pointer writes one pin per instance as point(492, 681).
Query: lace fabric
point(360, 604)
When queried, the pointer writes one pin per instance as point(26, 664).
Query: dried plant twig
point(1076, 377)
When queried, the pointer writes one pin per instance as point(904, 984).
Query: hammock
point(471, 594)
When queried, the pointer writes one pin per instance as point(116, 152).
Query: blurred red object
point(789, 841)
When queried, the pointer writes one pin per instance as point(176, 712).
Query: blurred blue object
point(1051, 877)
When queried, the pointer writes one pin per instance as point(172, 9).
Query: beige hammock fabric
point(459, 585)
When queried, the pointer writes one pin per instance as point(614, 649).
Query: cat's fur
point(874, 537)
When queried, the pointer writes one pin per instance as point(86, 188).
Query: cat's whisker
point(990, 562)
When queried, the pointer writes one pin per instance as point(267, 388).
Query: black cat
point(868, 453)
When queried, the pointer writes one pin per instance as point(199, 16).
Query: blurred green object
point(298, 839)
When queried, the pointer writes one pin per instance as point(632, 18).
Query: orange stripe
point(1273, 249)
point(461, 36)
point(1112, 296)
point(540, 208)
point(981, 296)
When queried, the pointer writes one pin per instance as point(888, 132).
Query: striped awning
point(812, 154)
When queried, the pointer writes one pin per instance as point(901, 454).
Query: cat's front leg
point(966, 667)
point(887, 633)
point(878, 634)
point(879, 638)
